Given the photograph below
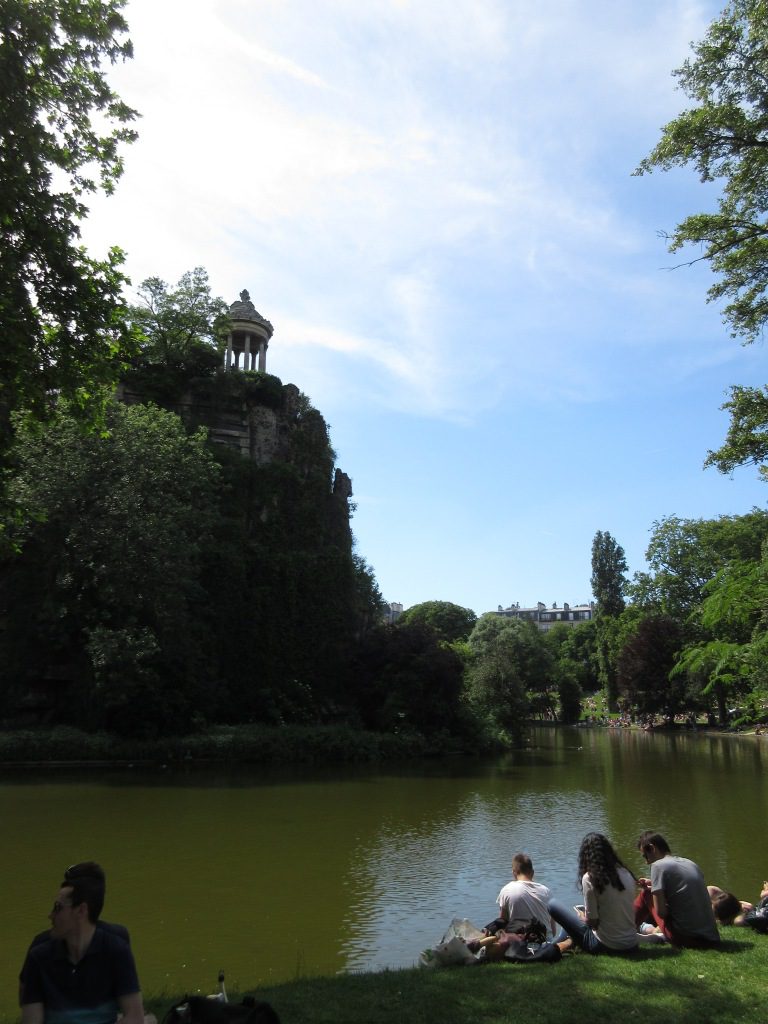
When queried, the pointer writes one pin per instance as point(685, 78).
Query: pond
point(272, 875)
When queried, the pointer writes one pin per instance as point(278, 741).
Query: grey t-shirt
point(689, 910)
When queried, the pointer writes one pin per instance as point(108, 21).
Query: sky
point(433, 203)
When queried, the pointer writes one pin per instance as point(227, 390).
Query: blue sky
point(433, 204)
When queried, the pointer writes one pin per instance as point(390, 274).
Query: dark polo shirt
point(82, 993)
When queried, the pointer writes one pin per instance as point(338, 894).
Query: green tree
point(645, 663)
point(61, 126)
point(724, 136)
point(609, 583)
point(574, 668)
point(685, 554)
point(407, 679)
point(450, 621)
point(114, 535)
point(180, 326)
point(509, 660)
point(609, 567)
point(746, 443)
point(727, 656)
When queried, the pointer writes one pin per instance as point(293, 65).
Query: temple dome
point(244, 311)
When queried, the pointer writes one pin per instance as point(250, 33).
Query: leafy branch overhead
point(724, 136)
point(61, 131)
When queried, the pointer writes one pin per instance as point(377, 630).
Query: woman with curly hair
point(607, 924)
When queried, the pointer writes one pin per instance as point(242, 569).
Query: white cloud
point(381, 174)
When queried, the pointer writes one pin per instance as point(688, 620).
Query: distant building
point(545, 618)
point(392, 612)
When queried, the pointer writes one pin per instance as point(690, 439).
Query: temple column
point(263, 356)
point(229, 350)
point(247, 353)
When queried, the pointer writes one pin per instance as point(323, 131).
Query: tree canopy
point(609, 565)
point(724, 136)
point(61, 127)
point(179, 325)
point(450, 621)
point(113, 530)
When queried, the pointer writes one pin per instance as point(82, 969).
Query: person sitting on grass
point(80, 972)
point(675, 897)
point(523, 914)
point(608, 922)
point(522, 902)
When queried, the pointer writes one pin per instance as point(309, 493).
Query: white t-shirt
point(522, 902)
point(614, 911)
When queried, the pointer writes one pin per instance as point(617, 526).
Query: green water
point(269, 876)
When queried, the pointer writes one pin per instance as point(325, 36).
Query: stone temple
point(248, 338)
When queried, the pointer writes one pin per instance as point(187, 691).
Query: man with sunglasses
point(80, 969)
point(90, 869)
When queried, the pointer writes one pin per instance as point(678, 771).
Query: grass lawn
point(660, 986)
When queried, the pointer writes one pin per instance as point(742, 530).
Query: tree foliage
point(450, 621)
point(609, 582)
point(746, 443)
point(724, 136)
point(645, 663)
point(508, 660)
point(683, 555)
point(113, 536)
point(179, 325)
point(609, 566)
point(61, 126)
point(407, 679)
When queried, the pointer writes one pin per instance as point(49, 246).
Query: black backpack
point(201, 1010)
point(757, 919)
point(533, 953)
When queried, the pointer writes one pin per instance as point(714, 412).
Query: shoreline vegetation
point(64, 746)
point(725, 986)
point(246, 744)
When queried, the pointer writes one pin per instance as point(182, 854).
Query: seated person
point(522, 909)
point(86, 869)
point(523, 902)
point(607, 923)
point(675, 897)
point(80, 971)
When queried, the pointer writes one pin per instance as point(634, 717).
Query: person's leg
point(644, 908)
point(576, 927)
point(646, 912)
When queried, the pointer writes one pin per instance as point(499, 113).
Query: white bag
point(452, 949)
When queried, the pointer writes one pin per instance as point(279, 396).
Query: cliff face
point(260, 621)
point(274, 427)
point(252, 415)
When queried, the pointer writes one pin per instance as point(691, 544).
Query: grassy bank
point(254, 744)
point(659, 986)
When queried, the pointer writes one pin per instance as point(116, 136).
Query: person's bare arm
point(32, 1013)
point(131, 1007)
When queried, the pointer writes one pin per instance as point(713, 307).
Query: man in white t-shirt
point(523, 902)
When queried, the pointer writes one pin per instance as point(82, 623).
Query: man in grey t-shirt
point(675, 897)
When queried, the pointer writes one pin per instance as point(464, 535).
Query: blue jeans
point(578, 929)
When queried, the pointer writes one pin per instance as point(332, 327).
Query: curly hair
point(599, 859)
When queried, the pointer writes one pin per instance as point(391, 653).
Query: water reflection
point(270, 874)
